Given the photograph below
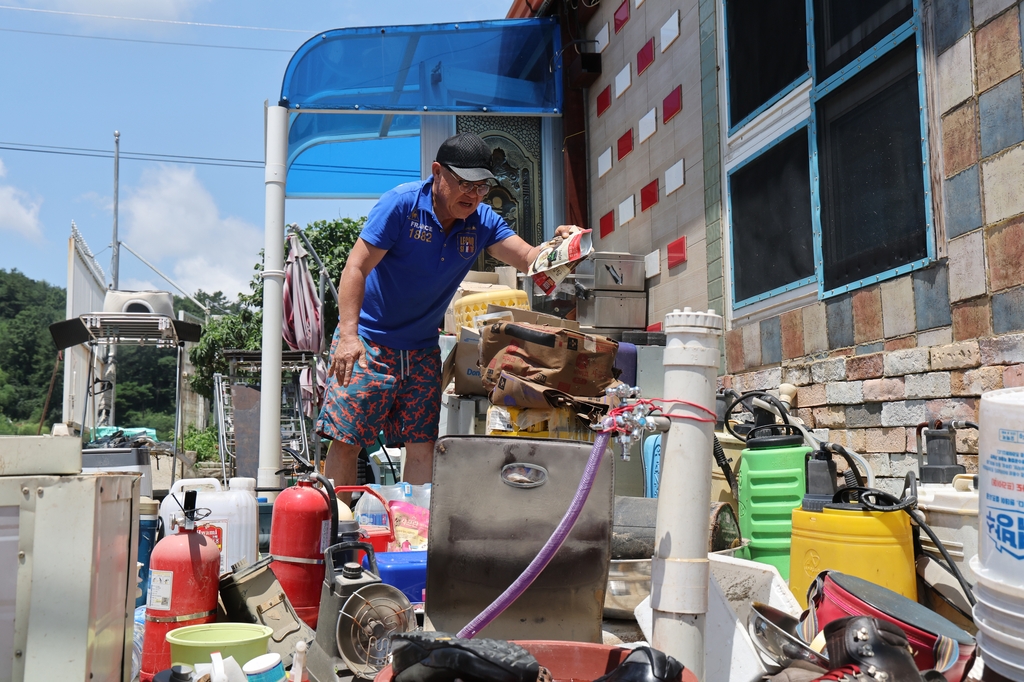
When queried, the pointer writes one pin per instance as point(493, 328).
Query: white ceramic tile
point(674, 177)
point(602, 38)
point(956, 74)
point(652, 264)
point(648, 124)
point(604, 162)
point(627, 210)
point(670, 30)
point(623, 80)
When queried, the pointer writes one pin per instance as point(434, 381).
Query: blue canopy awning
point(386, 78)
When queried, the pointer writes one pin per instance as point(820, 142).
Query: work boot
point(645, 664)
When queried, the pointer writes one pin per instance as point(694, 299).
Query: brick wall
point(872, 364)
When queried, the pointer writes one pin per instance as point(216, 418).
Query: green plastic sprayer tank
point(772, 483)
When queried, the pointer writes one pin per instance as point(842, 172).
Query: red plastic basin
point(569, 661)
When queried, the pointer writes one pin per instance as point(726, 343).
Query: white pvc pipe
point(680, 569)
point(273, 296)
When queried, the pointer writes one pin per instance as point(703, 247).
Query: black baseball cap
point(468, 156)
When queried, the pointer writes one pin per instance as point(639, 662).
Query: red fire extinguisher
point(184, 570)
point(303, 525)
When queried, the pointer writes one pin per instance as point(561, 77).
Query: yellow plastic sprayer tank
point(772, 484)
point(875, 546)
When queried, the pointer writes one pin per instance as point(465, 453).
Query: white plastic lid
point(688, 317)
point(262, 664)
point(242, 483)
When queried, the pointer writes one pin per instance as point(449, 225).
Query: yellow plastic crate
point(468, 307)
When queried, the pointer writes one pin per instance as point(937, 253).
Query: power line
point(154, 21)
point(201, 160)
point(150, 42)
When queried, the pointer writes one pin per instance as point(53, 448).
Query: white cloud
point(18, 212)
point(173, 221)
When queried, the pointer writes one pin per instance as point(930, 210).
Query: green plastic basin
point(193, 644)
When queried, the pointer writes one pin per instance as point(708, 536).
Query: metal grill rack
point(244, 369)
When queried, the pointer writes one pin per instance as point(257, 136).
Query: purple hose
point(547, 552)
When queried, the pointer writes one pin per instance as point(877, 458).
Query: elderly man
point(418, 243)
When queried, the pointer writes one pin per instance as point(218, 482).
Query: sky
point(170, 85)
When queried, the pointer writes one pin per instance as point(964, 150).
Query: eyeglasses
point(480, 188)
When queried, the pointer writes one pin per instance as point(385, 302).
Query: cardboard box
point(531, 317)
point(467, 368)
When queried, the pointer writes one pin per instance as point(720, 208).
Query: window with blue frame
point(872, 186)
point(861, 213)
point(770, 203)
point(766, 43)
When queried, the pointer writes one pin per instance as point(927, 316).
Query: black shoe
point(440, 657)
point(645, 664)
point(865, 648)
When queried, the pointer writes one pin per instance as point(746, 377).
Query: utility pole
point(115, 256)
point(114, 249)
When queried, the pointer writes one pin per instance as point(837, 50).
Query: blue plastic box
point(405, 570)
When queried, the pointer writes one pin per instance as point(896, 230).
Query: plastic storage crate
point(468, 307)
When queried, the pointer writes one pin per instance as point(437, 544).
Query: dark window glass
point(845, 29)
point(767, 50)
point(872, 180)
point(772, 242)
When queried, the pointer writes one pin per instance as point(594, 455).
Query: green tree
point(242, 329)
point(27, 353)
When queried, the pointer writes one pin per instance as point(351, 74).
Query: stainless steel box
point(622, 309)
point(612, 270)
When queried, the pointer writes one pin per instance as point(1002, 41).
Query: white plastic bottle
point(369, 511)
point(233, 521)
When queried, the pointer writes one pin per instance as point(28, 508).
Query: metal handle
point(351, 544)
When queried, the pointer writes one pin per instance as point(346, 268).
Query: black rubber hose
point(332, 502)
point(783, 412)
point(723, 464)
point(850, 461)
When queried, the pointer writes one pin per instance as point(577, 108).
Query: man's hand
point(348, 352)
point(563, 230)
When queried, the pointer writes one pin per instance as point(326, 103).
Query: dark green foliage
point(27, 354)
point(203, 443)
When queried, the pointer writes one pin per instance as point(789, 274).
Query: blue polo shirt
point(409, 290)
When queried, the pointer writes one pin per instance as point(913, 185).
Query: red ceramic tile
point(677, 252)
point(649, 195)
point(607, 224)
point(645, 57)
point(621, 15)
point(625, 144)
point(604, 100)
point(672, 104)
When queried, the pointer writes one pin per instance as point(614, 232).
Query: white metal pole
point(680, 569)
point(273, 293)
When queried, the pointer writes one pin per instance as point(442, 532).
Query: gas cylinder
point(300, 531)
point(183, 588)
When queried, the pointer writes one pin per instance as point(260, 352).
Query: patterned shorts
point(398, 393)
